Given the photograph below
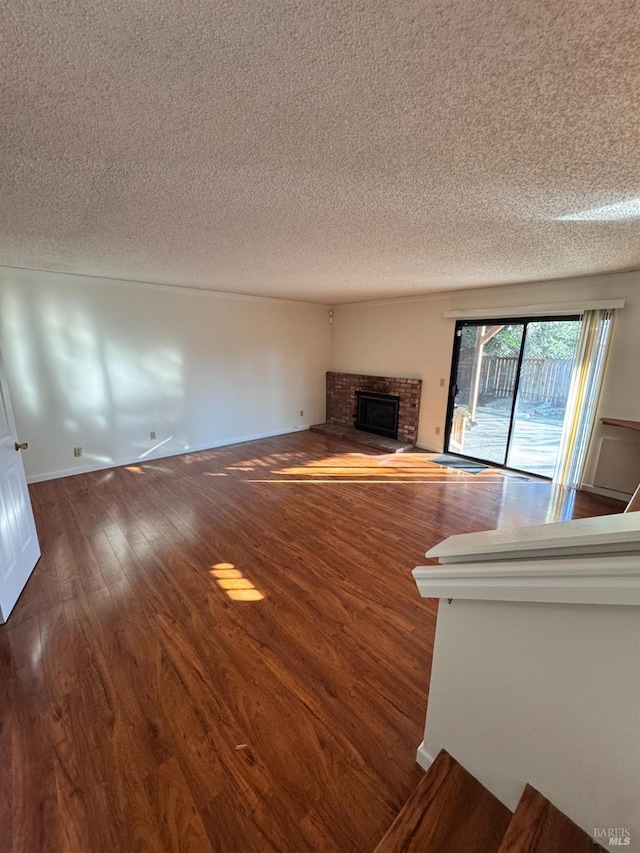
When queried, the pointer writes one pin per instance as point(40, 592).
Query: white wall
point(547, 694)
point(413, 339)
point(99, 364)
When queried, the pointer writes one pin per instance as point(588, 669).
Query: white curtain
point(586, 382)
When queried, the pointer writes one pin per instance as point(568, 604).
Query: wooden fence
point(542, 380)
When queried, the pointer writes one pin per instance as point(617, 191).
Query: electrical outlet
point(152, 434)
point(442, 383)
point(77, 451)
point(301, 413)
point(437, 430)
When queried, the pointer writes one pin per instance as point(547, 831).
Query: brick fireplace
point(342, 400)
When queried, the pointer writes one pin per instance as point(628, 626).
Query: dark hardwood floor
point(226, 650)
point(449, 811)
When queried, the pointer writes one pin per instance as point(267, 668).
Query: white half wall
point(99, 364)
point(413, 338)
point(542, 693)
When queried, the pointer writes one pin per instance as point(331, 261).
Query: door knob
point(22, 446)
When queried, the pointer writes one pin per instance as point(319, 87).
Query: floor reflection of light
point(391, 481)
point(397, 468)
point(245, 594)
point(234, 584)
point(36, 653)
point(226, 573)
point(370, 471)
point(394, 466)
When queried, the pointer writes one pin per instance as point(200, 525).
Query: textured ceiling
point(327, 151)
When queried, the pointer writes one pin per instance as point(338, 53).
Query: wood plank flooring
point(538, 826)
point(144, 706)
point(449, 810)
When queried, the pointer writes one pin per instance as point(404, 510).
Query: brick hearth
point(342, 403)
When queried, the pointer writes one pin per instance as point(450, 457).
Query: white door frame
point(19, 548)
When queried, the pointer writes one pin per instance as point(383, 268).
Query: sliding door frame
point(455, 360)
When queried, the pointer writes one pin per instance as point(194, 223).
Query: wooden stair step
point(448, 811)
point(537, 826)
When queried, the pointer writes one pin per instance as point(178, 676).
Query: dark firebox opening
point(378, 413)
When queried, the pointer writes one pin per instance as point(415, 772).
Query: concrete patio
point(534, 447)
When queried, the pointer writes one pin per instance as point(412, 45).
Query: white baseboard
point(137, 460)
point(429, 448)
point(607, 493)
point(424, 759)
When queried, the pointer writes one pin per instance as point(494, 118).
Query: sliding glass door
point(484, 390)
point(509, 390)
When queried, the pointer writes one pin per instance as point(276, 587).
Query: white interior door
point(19, 548)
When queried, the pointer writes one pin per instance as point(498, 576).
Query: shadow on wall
point(80, 387)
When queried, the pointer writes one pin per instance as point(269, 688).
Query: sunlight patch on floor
point(245, 594)
point(226, 573)
point(237, 587)
point(394, 481)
